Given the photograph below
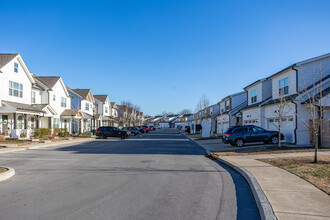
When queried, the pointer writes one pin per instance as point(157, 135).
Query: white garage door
point(287, 127)
point(206, 128)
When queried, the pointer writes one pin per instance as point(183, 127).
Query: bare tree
point(185, 111)
point(202, 103)
point(165, 113)
point(311, 108)
point(128, 113)
point(280, 115)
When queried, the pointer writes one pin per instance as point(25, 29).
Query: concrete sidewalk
point(42, 145)
point(290, 196)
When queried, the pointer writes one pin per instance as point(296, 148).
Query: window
point(33, 97)
point(106, 109)
point(20, 122)
point(254, 96)
point(257, 129)
point(15, 89)
point(63, 102)
point(56, 123)
point(240, 130)
point(87, 107)
point(16, 67)
point(283, 86)
point(54, 98)
point(32, 122)
point(227, 104)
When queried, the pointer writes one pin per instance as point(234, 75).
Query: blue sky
point(163, 55)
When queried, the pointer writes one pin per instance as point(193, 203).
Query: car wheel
point(102, 136)
point(274, 140)
point(239, 142)
point(123, 137)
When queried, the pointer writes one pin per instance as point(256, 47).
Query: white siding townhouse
point(29, 101)
point(114, 114)
point(229, 111)
point(17, 113)
point(291, 84)
point(55, 99)
point(103, 112)
point(257, 93)
point(82, 109)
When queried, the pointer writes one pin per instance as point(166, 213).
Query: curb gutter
point(264, 207)
point(6, 175)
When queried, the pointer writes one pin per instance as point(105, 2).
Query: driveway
point(161, 175)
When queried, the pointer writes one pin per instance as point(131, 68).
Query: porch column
point(50, 123)
point(25, 121)
point(15, 121)
point(37, 121)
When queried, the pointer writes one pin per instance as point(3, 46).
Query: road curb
point(264, 207)
point(6, 175)
point(43, 145)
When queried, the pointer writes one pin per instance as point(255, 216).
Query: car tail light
point(228, 134)
point(97, 130)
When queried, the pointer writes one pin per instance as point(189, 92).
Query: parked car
point(239, 135)
point(132, 130)
point(146, 128)
point(187, 129)
point(105, 132)
point(198, 127)
point(142, 129)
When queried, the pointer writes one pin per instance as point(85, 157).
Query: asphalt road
point(162, 175)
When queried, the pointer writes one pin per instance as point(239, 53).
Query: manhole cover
point(147, 161)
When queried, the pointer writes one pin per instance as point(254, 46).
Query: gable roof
point(254, 83)
point(71, 90)
point(22, 106)
point(82, 92)
point(101, 98)
point(6, 58)
point(299, 64)
point(48, 81)
point(71, 112)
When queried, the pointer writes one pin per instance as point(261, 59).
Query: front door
point(5, 125)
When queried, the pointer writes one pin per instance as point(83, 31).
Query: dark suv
point(239, 135)
point(105, 132)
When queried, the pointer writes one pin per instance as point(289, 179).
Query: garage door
point(206, 128)
point(287, 127)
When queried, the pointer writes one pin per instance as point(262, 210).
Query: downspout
point(296, 113)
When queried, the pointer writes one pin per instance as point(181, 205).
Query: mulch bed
point(3, 169)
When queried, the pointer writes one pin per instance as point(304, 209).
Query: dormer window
point(54, 98)
point(254, 96)
point(227, 104)
point(283, 86)
point(106, 109)
point(87, 107)
point(16, 67)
